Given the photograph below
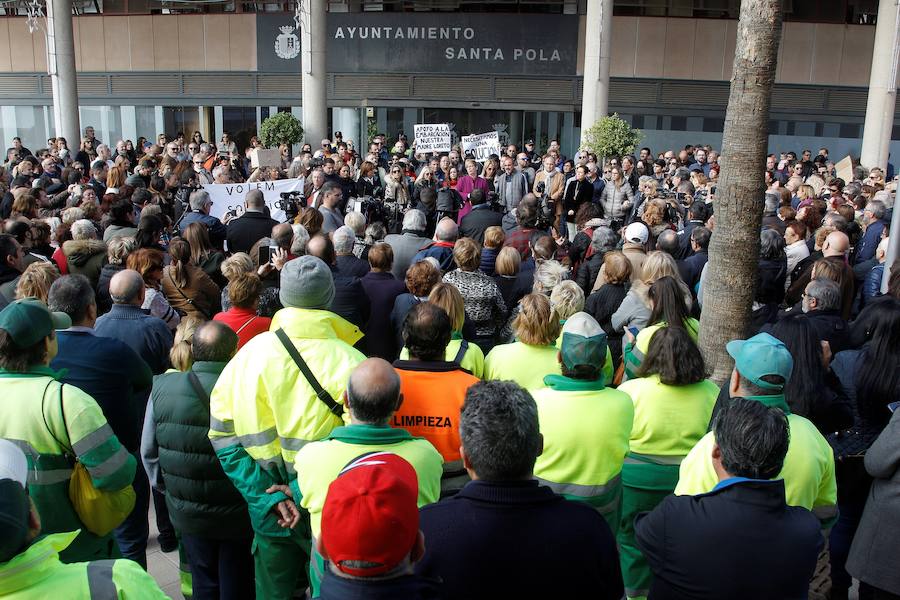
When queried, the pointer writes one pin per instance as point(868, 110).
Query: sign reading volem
point(228, 197)
point(482, 145)
point(432, 137)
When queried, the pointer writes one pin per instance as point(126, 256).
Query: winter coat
point(85, 257)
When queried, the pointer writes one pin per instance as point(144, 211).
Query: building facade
point(144, 69)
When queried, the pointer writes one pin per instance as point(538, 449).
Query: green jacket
point(318, 464)
point(85, 257)
point(262, 409)
point(201, 499)
point(50, 421)
point(38, 573)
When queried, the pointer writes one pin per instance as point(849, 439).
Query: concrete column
point(893, 253)
point(346, 120)
point(597, 40)
point(61, 67)
point(882, 87)
point(315, 102)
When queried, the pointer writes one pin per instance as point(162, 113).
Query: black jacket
point(588, 272)
point(518, 540)
point(382, 290)
point(348, 264)
point(350, 299)
point(476, 222)
point(738, 542)
point(692, 267)
point(248, 229)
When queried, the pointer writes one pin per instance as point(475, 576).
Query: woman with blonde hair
point(468, 356)
point(534, 354)
point(182, 355)
point(187, 288)
point(36, 280)
point(634, 312)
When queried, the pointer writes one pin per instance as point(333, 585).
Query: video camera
point(290, 203)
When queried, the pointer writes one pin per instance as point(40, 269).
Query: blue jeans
point(132, 534)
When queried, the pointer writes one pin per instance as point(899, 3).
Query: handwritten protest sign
point(432, 137)
point(481, 145)
point(844, 169)
point(230, 196)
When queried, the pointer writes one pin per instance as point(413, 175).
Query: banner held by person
point(432, 137)
point(229, 197)
point(482, 145)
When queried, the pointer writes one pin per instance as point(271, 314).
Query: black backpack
point(448, 201)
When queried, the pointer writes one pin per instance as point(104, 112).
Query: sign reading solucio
point(435, 43)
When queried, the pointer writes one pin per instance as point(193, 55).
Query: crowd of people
point(440, 378)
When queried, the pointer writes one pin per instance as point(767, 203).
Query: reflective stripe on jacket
point(262, 409)
point(38, 573)
point(49, 421)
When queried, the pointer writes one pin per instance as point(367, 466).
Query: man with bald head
point(147, 335)
point(208, 511)
point(441, 248)
point(251, 226)
point(372, 396)
point(834, 251)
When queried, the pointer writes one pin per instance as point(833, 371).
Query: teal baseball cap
point(583, 341)
point(761, 355)
point(29, 320)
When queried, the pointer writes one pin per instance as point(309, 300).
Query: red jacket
point(244, 322)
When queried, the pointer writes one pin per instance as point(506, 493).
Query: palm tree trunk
point(729, 286)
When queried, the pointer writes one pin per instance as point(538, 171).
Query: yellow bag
point(100, 511)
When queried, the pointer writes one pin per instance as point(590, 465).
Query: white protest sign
point(230, 196)
point(481, 145)
point(432, 137)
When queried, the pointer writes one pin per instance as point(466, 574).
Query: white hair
point(414, 220)
point(301, 237)
point(82, 229)
point(344, 237)
point(356, 221)
point(548, 275)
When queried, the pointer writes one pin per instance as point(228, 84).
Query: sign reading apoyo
point(482, 145)
point(432, 138)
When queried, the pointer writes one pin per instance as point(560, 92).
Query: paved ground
point(163, 567)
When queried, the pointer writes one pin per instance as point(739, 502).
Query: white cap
point(13, 464)
point(637, 233)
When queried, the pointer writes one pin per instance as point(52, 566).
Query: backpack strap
point(198, 387)
point(461, 353)
point(335, 408)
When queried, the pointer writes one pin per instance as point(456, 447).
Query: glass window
point(240, 123)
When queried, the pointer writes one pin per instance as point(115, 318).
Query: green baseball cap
point(583, 341)
point(761, 355)
point(28, 321)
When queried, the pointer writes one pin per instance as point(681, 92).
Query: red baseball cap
point(370, 516)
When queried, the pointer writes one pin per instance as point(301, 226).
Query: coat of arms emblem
point(287, 45)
